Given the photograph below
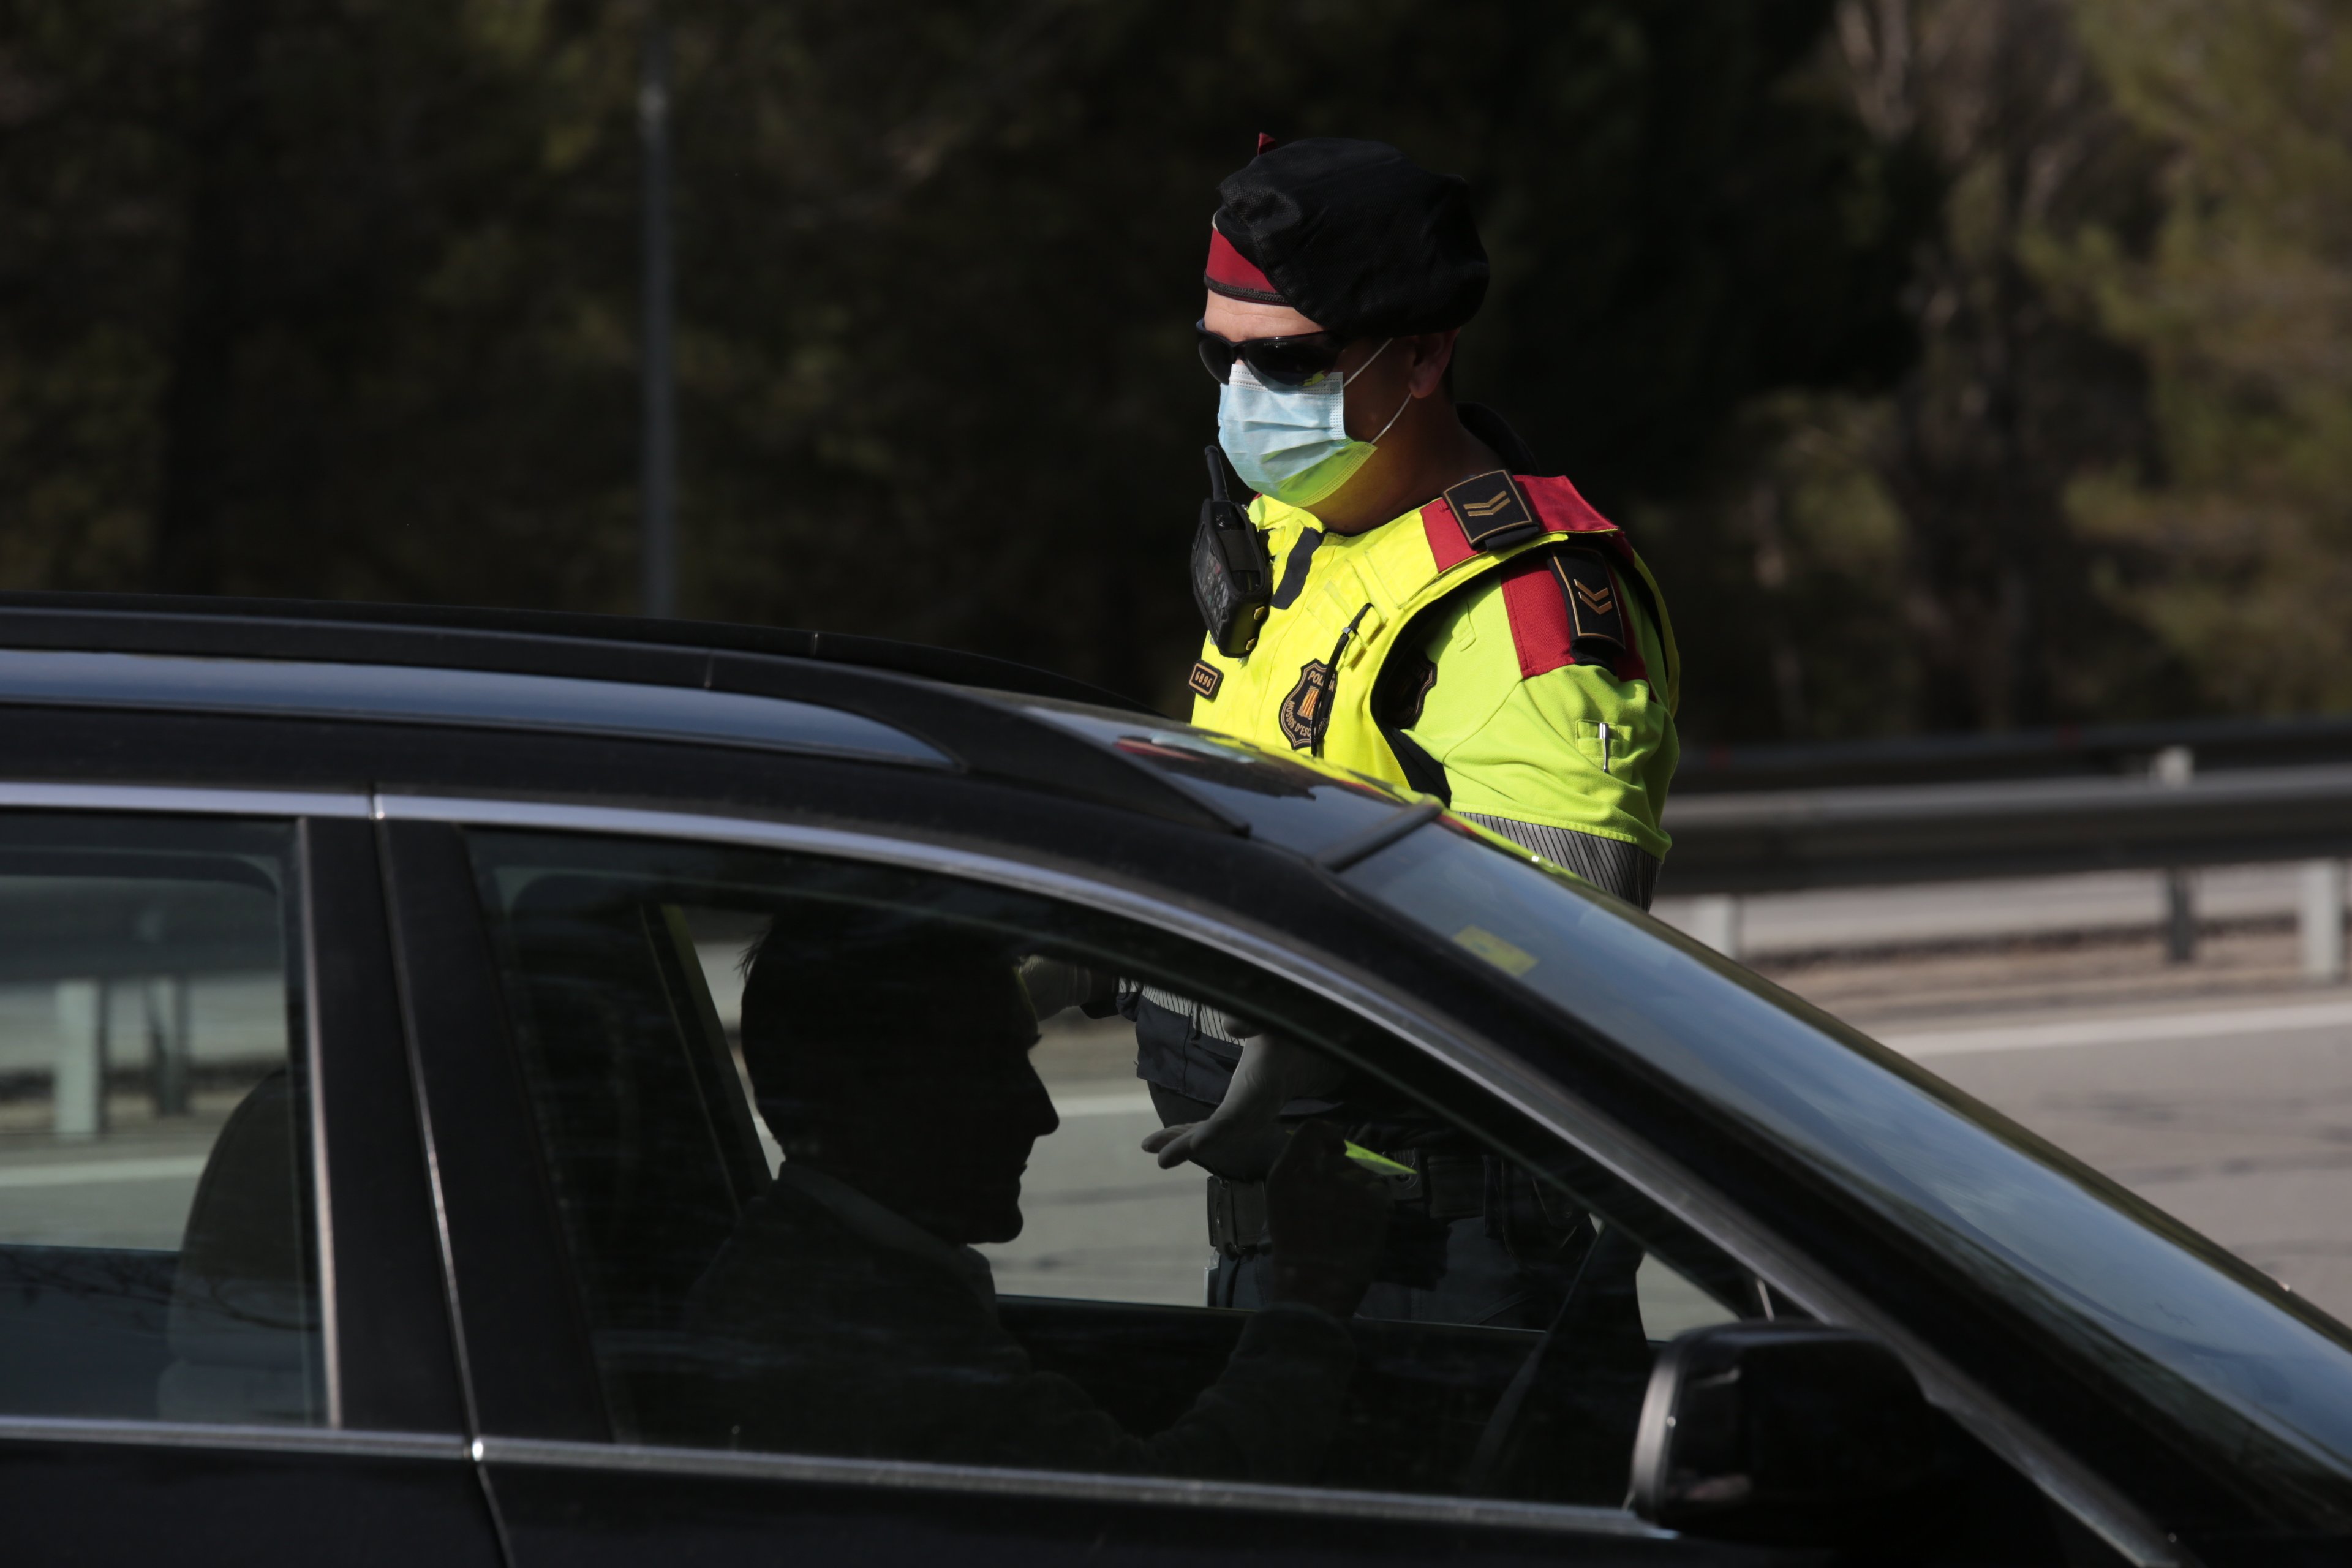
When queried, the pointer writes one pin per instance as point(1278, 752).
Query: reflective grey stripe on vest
point(1625, 869)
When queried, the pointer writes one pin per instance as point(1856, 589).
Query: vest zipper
point(1331, 697)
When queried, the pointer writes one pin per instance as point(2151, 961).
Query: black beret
point(1357, 236)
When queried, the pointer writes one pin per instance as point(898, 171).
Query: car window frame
point(1482, 1063)
point(374, 1239)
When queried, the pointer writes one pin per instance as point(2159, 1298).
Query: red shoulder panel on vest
point(1507, 499)
point(1539, 624)
point(1492, 512)
point(1560, 508)
point(1566, 606)
point(1447, 546)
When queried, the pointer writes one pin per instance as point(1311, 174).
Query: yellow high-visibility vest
point(1322, 678)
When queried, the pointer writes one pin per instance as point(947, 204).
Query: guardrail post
point(1715, 920)
point(2180, 916)
point(78, 1098)
point(167, 1042)
point(2322, 919)
point(2172, 768)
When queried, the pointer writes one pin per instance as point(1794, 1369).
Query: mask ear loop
point(1401, 407)
point(1394, 417)
point(1360, 369)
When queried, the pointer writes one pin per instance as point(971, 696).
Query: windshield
point(2262, 1392)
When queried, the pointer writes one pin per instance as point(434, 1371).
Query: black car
point(389, 1167)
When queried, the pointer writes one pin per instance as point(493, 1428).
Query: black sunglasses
point(1280, 362)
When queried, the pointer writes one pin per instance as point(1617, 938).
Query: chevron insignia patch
point(1492, 512)
point(1594, 611)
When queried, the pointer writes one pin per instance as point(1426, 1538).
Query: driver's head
point(892, 1051)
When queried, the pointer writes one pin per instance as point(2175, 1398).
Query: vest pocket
point(1617, 750)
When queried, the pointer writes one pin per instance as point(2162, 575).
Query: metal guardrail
point(2060, 750)
point(1729, 845)
point(1778, 840)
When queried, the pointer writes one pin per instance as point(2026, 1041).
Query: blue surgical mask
point(1292, 442)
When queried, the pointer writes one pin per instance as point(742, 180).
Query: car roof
point(556, 642)
point(824, 693)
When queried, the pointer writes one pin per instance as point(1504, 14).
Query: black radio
point(1232, 582)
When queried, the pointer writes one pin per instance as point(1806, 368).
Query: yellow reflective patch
point(1513, 961)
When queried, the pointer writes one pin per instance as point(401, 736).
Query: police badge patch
point(1307, 710)
point(1206, 678)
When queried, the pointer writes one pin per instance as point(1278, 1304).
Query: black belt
point(1441, 1187)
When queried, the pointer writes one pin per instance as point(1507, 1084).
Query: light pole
point(658, 483)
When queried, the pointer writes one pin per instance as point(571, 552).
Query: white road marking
point(2212, 1026)
point(1934, 1042)
point(1122, 1103)
point(84, 1173)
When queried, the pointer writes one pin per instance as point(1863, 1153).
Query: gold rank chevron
point(1601, 601)
point(1487, 508)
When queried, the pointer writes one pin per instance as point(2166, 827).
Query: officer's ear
point(1431, 354)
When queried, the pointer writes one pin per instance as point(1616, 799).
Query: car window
point(2260, 1385)
point(850, 1161)
point(155, 1259)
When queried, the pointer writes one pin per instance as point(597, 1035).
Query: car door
point(223, 1331)
point(652, 1045)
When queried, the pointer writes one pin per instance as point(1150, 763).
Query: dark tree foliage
point(337, 297)
point(2013, 398)
point(1003, 287)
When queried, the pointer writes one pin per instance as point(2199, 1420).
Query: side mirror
point(1789, 1434)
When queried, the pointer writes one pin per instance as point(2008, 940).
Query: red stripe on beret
point(1233, 275)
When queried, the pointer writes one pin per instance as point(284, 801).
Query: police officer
point(1442, 613)
point(1413, 596)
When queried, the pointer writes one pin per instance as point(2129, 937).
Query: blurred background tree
point(1907, 551)
point(1942, 354)
point(2233, 539)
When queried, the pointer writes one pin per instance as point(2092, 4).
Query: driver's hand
point(1327, 1220)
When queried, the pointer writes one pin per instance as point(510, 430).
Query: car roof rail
point(266, 629)
point(916, 688)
